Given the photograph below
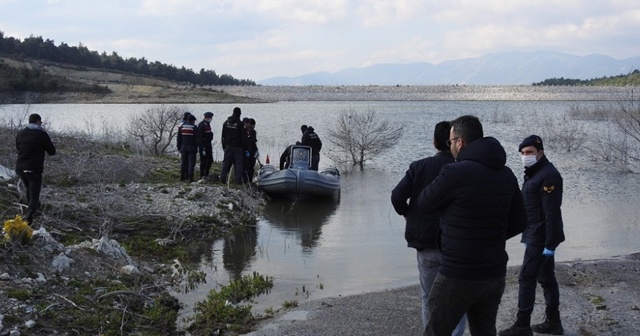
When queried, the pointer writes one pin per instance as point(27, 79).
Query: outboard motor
point(300, 157)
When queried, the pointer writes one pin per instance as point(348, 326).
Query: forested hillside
point(632, 79)
point(37, 48)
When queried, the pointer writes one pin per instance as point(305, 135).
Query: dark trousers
point(232, 157)
point(248, 169)
point(315, 161)
point(187, 165)
point(537, 268)
point(33, 183)
point(451, 298)
point(206, 161)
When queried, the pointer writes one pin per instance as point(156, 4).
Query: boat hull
point(298, 183)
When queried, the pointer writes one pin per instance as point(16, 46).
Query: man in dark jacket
point(206, 156)
point(311, 139)
point(422, 229)
point(542, 193)
point(232, 144)
point(251, 151)
point(32, 142)
point(189, 142)
point(285, 157)
point(481, 207)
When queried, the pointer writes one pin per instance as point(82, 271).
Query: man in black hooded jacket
point(32, 142)
point(481, 207)
point(311, 139)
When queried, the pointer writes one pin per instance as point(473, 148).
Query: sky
point(260, 39)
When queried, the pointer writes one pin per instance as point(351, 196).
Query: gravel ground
point(598, 297)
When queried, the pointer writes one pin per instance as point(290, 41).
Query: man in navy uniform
point(542, 193)
point(206, 156)
point(233, 144)
point(189, 142)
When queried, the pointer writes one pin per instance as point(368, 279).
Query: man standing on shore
point(189, 142)
point(481, 207)
point(422, 229)
point(232, 144)
point(32, 142)
point(206, 156)
point(542, 193)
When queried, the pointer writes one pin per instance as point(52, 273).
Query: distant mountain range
point(507, 68)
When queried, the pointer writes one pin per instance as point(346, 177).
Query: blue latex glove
point(247, 154)
point(548, 253)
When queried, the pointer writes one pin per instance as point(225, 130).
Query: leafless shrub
point(614, 150)
point(502, 117)
point(362, 135)
point(597, 114)
point(621, 146)
point(627, 117)
point(563, 134)
point(155, 129)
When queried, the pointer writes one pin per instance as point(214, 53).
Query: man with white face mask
point(542, 193)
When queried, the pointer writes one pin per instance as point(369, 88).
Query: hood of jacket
point(487, 151)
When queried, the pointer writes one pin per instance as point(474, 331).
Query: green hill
point(631, 79)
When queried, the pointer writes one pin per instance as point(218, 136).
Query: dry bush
point(81, 160)
point(359, 136)
point(621, 144)
point(155, 130)
point(598, 114)
point(564, 135)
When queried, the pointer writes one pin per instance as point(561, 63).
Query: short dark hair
point(237, 111)
point(34, 118)
point(441, 135)
point(468, 128)
point(303, 128)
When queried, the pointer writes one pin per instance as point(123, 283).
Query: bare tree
point(627, 117)
point(563, 134)
point(361, 135)
point(156, 129)
point(620, 146)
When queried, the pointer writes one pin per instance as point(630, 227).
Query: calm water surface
point(355, 244)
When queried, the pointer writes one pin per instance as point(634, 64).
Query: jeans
point(428, 264)
point(537, 268)
point(233, 156)
point(33, 185)
point(450, 298)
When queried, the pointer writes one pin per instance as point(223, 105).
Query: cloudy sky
point(259, 39)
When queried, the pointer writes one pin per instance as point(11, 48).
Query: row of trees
point(38, 48)
point(632, 78)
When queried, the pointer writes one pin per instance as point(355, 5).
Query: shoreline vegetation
point(117, 233)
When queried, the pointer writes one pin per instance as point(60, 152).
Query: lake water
point(356, 244)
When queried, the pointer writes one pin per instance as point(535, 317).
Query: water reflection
point(303, 219)
point(239, 251)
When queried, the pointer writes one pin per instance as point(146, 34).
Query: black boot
point(551, 324)
point(521, 327)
